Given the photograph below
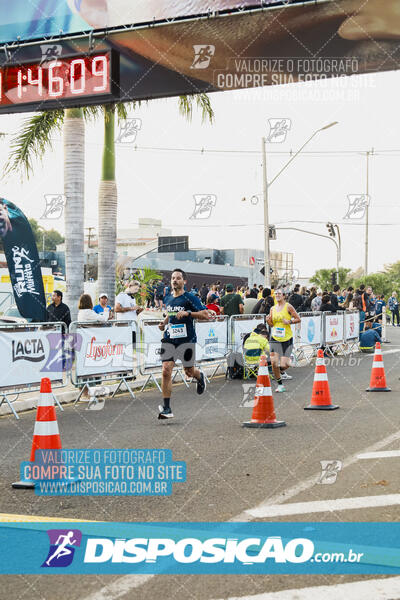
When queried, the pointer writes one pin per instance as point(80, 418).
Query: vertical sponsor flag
point(22, 261)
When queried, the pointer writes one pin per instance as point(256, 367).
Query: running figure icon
point(62, 549)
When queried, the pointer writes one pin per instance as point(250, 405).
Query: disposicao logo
point(191, 550)
point(62, 547)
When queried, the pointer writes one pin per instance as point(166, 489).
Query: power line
point(391, 153)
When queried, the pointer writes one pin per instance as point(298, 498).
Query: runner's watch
point(189, 312)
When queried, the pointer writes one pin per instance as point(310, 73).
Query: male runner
point(281, 316)
point(179, 340)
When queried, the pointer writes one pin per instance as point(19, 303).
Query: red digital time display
point(57, 82)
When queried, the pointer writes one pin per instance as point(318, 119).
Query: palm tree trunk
point(74, 188)
point(108, 201)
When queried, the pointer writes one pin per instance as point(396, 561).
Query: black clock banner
point(23, 262)
point(83, 52)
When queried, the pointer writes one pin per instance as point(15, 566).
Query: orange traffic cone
point(46, 435)
point(378, 378)
point(321, 395)
point(263, 410)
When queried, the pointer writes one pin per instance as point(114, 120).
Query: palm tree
point(34, 139)
point(74, 190)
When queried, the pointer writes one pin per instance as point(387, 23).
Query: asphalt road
point(230, 470)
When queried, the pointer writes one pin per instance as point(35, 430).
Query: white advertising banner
point(151, 345)
point(211, 339)
point(352, 325)
point(27, 356)
point(310, 330)
point(334, 328)
point(104, 350)
point(241, 327)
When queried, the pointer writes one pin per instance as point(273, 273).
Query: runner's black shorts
point(185, 352)
point(282, 348)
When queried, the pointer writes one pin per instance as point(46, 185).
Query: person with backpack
point(358, 304)
point(264, 305)
point(296, 299)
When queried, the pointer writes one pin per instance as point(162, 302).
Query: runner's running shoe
point(165, 413)
point(280, 388)
point(201, 384)
point(286, 376)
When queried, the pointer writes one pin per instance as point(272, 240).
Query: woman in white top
point(86, 312)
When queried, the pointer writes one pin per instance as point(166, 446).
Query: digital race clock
point(60, 82)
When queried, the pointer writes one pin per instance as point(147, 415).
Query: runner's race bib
point(177, 331)
point(278, 332)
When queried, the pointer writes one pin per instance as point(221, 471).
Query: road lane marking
point(384, 454)
point(279, 499)
point(371, 589)
point(305, 485)
point(9, 518)
point(119, 588)
point(301, 508)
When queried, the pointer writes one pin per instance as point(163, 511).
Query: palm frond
point(202, 101)
point(91, 113)
point(32, 141)
point(123, 108)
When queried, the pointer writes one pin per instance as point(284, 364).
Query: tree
point(380, 283)
point(51, 236)
point(32, 142)
point(323, 278)
point(108, 196)
point(146, 277)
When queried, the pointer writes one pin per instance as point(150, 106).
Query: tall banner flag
point(22, 261)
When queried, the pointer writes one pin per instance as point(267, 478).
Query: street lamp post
point(266, 186)
point(267, 272)
point(366, 214)
point(327, 237)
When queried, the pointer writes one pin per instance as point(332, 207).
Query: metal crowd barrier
point(239, 326)
point(308, 335)
point(211, 347)
point(104, 351)
point(212, 342)
point(150, 365)
point(29, 352)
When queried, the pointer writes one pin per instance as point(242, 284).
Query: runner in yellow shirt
point(280, 318)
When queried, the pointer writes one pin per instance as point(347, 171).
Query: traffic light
point(331, 229)
point(272, 232)
point(262, 271)
point(333, 277)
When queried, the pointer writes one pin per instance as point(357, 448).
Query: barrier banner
point(151, 344)
point(27, 356)
point(241, 327)
point(104, 350)
point(211, 340)
point(352, 325)
point(334, 328)
point(23, 262)
point(310, 330)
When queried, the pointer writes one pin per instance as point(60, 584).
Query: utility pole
point(266, 186)
point(267, 274)
point(366, 213)
point(89, 235)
